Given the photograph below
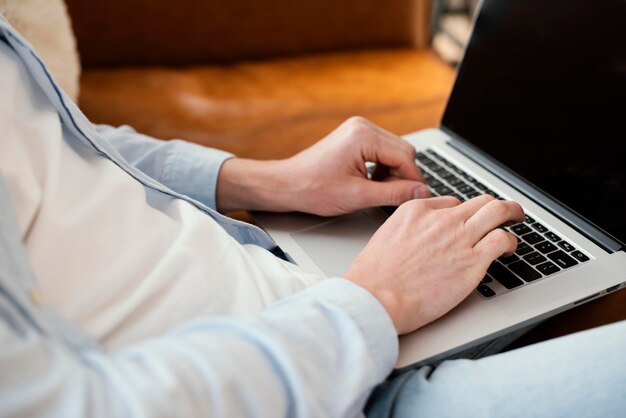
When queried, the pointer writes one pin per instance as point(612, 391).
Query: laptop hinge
point(583, 226)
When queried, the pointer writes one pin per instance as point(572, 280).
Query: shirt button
point(35, 296)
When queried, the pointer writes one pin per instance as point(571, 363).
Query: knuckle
point(487, 198)
point(356, 120)
point(456, 201)
point(483, 199)
point(413, 206)
point(356, 127)
point(396, 197)
point(508, 240)
point(501, 235)
point(409, 150)
point(498, 207)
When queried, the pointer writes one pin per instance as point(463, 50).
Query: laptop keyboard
point(540, 252)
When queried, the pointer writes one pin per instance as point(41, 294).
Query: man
point(189, 313)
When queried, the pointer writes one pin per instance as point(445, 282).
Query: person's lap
point(580, 375)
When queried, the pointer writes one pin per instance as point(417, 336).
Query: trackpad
point(333, 245)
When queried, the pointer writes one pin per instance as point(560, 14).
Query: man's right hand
point(431, 254)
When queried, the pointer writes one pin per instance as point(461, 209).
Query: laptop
point(536, 115)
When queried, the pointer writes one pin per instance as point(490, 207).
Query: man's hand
point(329, 178)
point(430, 254)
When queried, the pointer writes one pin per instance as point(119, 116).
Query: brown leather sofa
point(266, 78)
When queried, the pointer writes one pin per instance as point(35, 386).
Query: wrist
point(245, 184)
point(390, 301)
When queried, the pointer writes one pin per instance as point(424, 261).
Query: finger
point(495, 244)
point(397, 173)
point(394, 154)
point(388, 193)
point(492, 215)
point(395, 141)
point(471, 206)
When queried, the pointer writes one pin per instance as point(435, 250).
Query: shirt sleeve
point(184, 167)
point(317, 353)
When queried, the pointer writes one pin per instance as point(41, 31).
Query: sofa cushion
point(273, 108)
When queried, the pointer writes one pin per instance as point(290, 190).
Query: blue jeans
point(579, 375)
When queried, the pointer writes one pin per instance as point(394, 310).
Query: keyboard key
point(561, 259)
point(425, 172)
point(580, 256)
point(434, 183)
point(433, 153)
point(529, 220)
point(566, 246)
point(440, 158)
point(439, 170)
point(485, 290)
point(523, 248)
point(468, 177)
point(532, 238)
point(465, 189)
point(458, 196)
point(540, 227)
point(502, 275)
point(456, 182)
point(492, 193)
point(486, 279)
point(547, 268)
point(520, 229)
point(508, 259)
point(480, 186)
point(447, 176)
point(443, 190)
point(459, 171)
point(545, 247)
point(422, 158)
point(534, 258)
point(472, 195)
point(553, 237)
point(525, 271)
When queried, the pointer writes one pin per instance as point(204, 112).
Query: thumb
point(392, 192)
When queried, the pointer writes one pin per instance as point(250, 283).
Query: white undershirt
point(103, 256)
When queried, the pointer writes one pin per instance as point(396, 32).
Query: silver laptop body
point(327, 246)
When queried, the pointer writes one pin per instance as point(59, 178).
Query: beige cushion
point(46, 25)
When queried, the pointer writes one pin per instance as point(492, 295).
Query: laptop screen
point(542, 88)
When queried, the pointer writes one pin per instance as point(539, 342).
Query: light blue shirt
point(317, 353)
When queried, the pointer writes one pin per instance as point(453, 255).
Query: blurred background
point(451, 22)
point(266, 78)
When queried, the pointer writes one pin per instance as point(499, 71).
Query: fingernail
point(421, 191)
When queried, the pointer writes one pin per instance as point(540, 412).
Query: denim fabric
point(580, 375)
